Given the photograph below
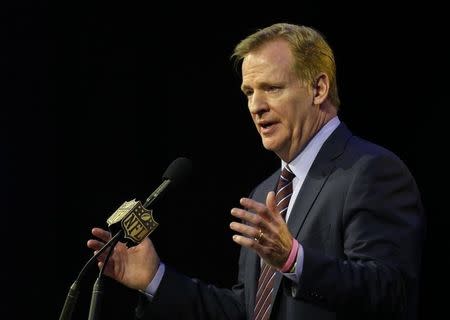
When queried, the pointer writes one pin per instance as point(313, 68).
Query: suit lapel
point(308, 193)
point(318, 174)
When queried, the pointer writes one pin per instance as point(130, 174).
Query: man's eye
point(272, 88)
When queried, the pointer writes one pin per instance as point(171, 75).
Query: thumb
point(271, 202)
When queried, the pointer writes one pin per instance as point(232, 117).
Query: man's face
point(280, 104)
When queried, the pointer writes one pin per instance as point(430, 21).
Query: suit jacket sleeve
point(181, 297)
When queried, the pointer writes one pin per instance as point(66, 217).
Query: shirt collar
point(302, 162)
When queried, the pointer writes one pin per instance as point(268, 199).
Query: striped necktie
point(264, 294)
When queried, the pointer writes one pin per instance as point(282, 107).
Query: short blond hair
point(311, 52)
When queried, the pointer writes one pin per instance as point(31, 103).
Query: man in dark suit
point(336, 233)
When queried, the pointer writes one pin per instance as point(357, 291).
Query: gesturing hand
point(263, 230)
point(134, 267)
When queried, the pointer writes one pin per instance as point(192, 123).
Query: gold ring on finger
point(260, 236)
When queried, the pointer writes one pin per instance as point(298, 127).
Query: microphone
point(136, 220)
point(176, 173)
point(132, 221)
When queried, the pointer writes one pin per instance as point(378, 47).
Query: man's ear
point(321, 89)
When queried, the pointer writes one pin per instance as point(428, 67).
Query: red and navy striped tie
point(264, 294)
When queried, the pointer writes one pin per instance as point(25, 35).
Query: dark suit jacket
point(360, 221)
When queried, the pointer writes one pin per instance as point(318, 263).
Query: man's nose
point(257, 104)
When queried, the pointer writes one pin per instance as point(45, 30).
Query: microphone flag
point(135, 221)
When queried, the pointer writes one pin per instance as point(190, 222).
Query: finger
point(95, 244)
point(101, 257)
point(271, 204)
point(245, 230)
point(252, 204)
point(251, 218)
point(247, 242)
point(109, 269)
point(257, 207)
point(101, 234)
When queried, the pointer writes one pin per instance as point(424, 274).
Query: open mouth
point(267, 127)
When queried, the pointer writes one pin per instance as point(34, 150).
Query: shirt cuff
point(153, 286)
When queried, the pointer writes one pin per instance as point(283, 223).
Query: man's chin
point(269, 145)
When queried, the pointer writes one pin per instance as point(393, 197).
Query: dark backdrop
point(98, 99)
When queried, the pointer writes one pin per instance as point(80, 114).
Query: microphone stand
point(74, 291)
point(97, 289)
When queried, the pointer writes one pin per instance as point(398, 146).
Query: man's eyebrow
point(264, 84)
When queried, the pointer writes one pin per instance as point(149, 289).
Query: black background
point(98, 98)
